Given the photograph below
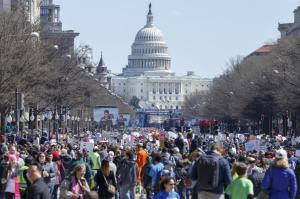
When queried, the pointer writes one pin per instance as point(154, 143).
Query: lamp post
point(89, 122)
point(72, 125)
point(78, 125)
point(68, 117)
point(31, 122)
point(42, 118)
point(86, 123)
point(22, 120)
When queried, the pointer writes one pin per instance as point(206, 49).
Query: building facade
point(148, 74)
point(51, 28)
point(32, 7)
point(287, 29)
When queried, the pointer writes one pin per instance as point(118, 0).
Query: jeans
point(127, 191)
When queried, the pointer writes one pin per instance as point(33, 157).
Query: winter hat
point(281, 154)
point(55, 155)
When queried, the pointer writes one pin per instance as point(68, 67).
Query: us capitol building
point(148, 75)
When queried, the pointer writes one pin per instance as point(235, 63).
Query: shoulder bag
point(110, 188)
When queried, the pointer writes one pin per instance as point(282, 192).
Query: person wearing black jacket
point(104, 177)
point(38, 188)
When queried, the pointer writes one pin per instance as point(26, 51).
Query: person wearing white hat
point(279, 179)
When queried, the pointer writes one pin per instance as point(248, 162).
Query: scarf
point(75, 187)
point(17, 190)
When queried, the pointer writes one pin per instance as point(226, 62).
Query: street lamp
point(9, 118)
point(42, 118)
point(78, 122)
point(276, 71)
point(72, 127)
point(31, 122)
point(35, 34)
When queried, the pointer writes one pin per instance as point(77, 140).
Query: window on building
point(154, 98)
point(176, 97)
point(177, 107)
point(160, 97)
point(141, 90)
point(165, 91)
point(141, 97)
point(160, 106)
point(171, 107)
point(166, 107)
point(170, 98)
point(165, 97)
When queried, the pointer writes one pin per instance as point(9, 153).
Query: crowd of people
point(188, 167)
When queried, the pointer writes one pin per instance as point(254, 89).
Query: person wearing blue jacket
point(167, 189)
point(280, 179)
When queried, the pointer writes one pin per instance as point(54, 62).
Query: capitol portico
point(148, 76)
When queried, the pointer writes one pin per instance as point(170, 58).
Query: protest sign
point(250, 145)
point(87, 145)
point(297, 153)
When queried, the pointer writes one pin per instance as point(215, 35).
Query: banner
point(258, 145)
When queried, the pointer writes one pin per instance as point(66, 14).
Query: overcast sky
point(202, 35)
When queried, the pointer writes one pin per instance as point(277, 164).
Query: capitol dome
point(149, 52)
point(149, 34)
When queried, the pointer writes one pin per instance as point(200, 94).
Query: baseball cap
point(281, 154)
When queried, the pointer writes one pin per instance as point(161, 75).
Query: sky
point(202, 35)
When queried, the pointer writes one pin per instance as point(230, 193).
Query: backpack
point(208, 171)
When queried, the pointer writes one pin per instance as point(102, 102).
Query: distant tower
point(101, 72)
point(51, 26)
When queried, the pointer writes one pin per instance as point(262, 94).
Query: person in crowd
point(167, 189)
point(242, 187)
point(112, 165)
point(179, 142)
point(38, 188)
point(76, 187)
point(280, 179)
point(145, 178)
point(128, 176)
point(156, 169)
point(141, 159)
point(48, 171)
point(95, 160)
point(212, 167)
point(66, 159)
point(253, 166)
point(23, 180)
point(79, 160)
point(104, 178)
point(60, 171)
point(9, 178)
point(256, 177)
